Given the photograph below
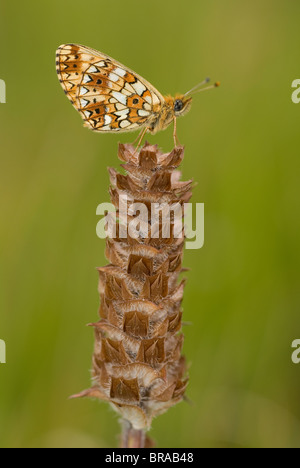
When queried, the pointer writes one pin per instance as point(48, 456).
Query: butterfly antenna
point(198, 88)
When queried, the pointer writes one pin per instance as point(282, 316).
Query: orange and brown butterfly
point(112, 98)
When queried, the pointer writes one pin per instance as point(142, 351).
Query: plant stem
point(132, 438)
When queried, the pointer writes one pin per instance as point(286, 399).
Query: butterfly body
point(167, 112)
point(112, 98)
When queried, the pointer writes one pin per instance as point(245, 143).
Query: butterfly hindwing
point(109, 96)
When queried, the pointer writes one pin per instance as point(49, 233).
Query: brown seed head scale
point(137, 363)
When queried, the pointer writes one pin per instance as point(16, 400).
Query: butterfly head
point(181, 104)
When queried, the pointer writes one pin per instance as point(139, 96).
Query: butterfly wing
point(109, 96)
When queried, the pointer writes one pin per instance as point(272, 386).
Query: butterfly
point(112, 98)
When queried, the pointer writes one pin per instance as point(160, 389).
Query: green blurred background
point(242, 142)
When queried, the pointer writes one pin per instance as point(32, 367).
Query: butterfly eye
point(178, 105)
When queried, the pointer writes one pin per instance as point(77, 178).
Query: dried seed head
point(137, 361)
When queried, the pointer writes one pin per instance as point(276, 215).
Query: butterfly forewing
point(109, 96)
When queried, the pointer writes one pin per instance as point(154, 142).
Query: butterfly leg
point(140, 138)
point(176, 141)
